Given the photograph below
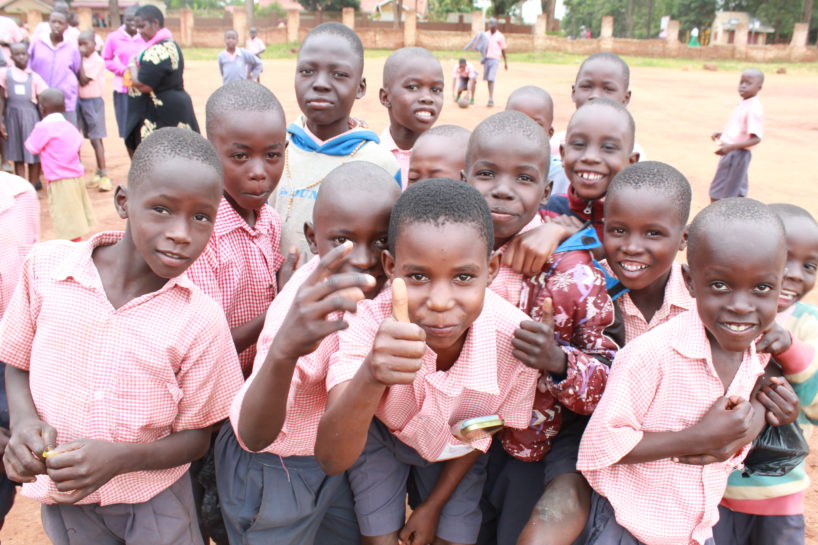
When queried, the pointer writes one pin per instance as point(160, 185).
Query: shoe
point(490, 104)
point(471, 102)
point(8, 168)
point(104, 183)
point(93, 182)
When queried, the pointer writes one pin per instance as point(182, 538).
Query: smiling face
point(510, 172)
point(447, 270)
point(802, 260)
point(598, 144)
point(643, 234)
point(414, 97)
point(328, 79)
point(251, 149)
point(735, 277)
point(435, 156)
point(171, 214)
point(342, 219)
point(600, 78)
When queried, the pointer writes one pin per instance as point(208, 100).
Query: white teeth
point(737, 327)
point(787, 294)
point(633, 267)
point(424, 115)
point(591, 176)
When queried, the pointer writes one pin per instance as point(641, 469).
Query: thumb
point(400, 301)
point(547, 311)
point(732, 402)
point(49, 436)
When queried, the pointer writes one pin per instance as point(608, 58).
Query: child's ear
point(388, 263)
point(573, 90)
point(309, 233)
point(627, 98)
point(383, 96)
point(634, 158)
point(121, 201)
point(549, 186)
point(562, 151)
point(463, 176)
point(688, 280)
point(494, 265)
point(550, 132)
point(683, 244)
point(361, 88)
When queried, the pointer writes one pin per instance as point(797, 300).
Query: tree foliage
point(329, 5)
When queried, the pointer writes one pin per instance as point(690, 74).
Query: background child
point(675, 415)
point(104, 428)
point(743, 131)
point(328, 80)
point(760, 509)
point(464, 78)
point(236, 63)
point(412, 93)
point(255, 45)
point(453, 362)
point(58, 142)
point(91, 107)
point(440, 152)
point(21, 86)
point(275, 416)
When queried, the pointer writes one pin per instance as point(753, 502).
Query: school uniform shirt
point(662, 381)
point(307, 397)
point(486, 379)
point(784, 495)
point(582, 311)
point(19, 231)
point(496, 44)
point(94, 68)
point(239, 65)
point(13, 81)
point(58, 65)
point(120, 47)
point(677, 300)
point(134, 374)
point(255, 46)
point(746, 119)
point(468, 72)
point(403, 156)
point(307, 161)
point(58, 143)
point(238, 267)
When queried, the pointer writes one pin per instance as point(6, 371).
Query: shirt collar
point(10, 187)
point(229, 220)
point(535, 222)
point(676, 294)
point(389, 143)
point(579, 205)
point(690, 339)
point(53, 118)
point(79, 265)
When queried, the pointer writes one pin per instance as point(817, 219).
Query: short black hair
point(786, 210)
point(454, 132)
point(614, 105)
point(130, 11)
point(612, 58)
point(231, 31)
point(59, 11)
point(714, 218)
point(52, 100)
point(397, 58)
point(149, 12)
point(754, 72)
point(171, 143)
point(86, 35)
point(341, 31)
point(239, 96)
point(658, 177)
point(24, 45)
point(362, 178)
point(532, 91)
point(509, 123)
point(440, 201)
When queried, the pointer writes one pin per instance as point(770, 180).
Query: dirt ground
point(675, 113)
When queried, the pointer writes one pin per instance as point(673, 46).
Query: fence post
point(86, 18)
point(672, 37)
point(240, 24)
point(539, 29)
point(348, 17)
point(478, 25)
point(293, 20)
point(740, 39)
point(800, 35)
point(186, 26)
point(33, 17)
point(410, 19)
point(606, 33)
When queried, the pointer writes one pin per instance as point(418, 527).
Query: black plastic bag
point(776, 451)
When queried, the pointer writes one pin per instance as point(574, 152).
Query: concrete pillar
point(348, 17)
point(410, 35)
point(800, 35)
point(186, 26)
point(33, 17)
point(741, 35)
point(539, 28)
point(477, 22)
point(672, 32)
point(86, 18)
point(607, 29)
point(240, 25)
point(293, 20)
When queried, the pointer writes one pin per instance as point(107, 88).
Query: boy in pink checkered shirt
point(111, 352)
point(398, 390)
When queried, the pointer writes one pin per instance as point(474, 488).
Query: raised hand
point(535, 344)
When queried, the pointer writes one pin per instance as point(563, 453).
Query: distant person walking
point(492, 47)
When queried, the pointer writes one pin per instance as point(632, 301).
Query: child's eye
point(382, 243)
point(274, 155)
point(615, 230)
point(811, 267)
point(416, 277)
point(654, 233)
point(412, 87)
point(340, 75)
point(610, 147)
point(525, 178)
point(437, 90)
point(718, 285)
point(241, 156)
point(764, 288)
point(339, 240)
point(201, 217)
point(577, 144)
point(161, 210)
point(305, 71)
point(463, 277)
point(484, 174)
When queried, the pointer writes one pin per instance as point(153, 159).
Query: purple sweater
point(58, 67)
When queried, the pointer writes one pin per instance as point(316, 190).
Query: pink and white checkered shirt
point(308, 394)
point(677, 300)
point(162, 363)
point(19, 230)
point(662, 381)
point(238, 268)
point(402, 155)
point(486, 379)
point(509, 284)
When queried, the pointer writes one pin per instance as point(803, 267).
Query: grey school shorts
point(121, 112)
point(490, 69)
point(91, 117)
point(743, 529)
point(378, 480)
point(267, 499)
point(731, 178)
point(169, 518)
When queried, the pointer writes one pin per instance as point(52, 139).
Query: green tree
point(439, 8)
point(695, 13)
point(329, 5)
